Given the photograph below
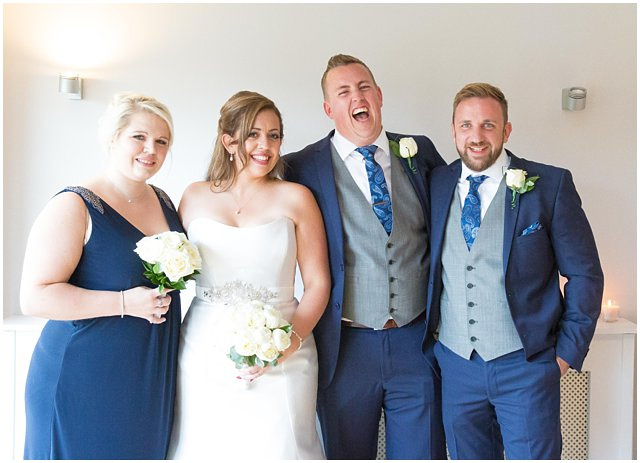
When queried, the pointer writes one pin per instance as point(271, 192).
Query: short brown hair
point(341, 60)
point(481, 90)
point(237, 116)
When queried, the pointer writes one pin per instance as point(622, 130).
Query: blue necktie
point(470, 219)
point(378, 186)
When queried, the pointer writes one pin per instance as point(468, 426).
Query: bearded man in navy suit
point(371, 188)
point(503, 230)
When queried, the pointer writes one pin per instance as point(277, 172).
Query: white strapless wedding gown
point(217, 415)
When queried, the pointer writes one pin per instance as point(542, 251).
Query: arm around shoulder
point(429, 153)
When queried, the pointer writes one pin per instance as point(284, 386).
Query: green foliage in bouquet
point(158, 278)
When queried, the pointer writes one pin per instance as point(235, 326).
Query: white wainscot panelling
point(611, 361)
point(7, 393)
point(23, 333)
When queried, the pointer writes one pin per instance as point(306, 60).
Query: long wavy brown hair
point(237, 117)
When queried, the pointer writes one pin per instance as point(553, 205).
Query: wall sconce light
point(71, 86)
point(574, 98)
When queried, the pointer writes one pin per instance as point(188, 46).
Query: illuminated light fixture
point(71, 85)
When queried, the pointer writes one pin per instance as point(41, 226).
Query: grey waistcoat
point(385, 276)
point(474, 312)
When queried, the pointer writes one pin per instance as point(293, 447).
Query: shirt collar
point(495, 171)
point(344, 147)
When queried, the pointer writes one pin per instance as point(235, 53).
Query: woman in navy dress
point(101, 383)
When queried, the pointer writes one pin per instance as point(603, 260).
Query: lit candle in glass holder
point(610, 311)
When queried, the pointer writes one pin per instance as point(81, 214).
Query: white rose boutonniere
point(518, 182)
point(405, 148)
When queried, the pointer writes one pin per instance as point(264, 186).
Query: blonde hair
point(237, 117)
point(481, 90)
point(341, 60)
point(118, 114)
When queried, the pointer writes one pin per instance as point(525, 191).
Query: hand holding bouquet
point(260, 334)
point(169, 259)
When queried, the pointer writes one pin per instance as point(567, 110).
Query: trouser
point(382, 370)
point(505, 406)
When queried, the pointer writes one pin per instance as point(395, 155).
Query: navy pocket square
point(534, 227)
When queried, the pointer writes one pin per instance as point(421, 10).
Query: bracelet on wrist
point(300, 340)
point(121, 304)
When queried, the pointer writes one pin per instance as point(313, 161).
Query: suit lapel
point(327, 183)
point(417, 181)
point(510, 214)
point(444, 187)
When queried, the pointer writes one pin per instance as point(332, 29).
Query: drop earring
point(231, 157)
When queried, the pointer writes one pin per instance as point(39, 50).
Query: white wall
point(193, 57)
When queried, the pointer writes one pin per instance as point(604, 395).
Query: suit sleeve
point(577, 259)
point(432, 158)
point(290, 168)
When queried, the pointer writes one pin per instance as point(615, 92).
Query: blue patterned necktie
point(378, 186)
point(470, 219)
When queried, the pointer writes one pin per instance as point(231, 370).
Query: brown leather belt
point(391, 323)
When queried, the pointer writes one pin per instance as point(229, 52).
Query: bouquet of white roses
point(259, 333)
point(169, 259)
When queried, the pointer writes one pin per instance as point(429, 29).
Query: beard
point(478, 165)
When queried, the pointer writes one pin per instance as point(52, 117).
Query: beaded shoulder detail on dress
point(89, 196)
point(164, 197)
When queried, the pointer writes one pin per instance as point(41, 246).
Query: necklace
point(244, 203)
point(130, 200)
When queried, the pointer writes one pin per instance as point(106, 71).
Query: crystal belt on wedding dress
point(236, 291)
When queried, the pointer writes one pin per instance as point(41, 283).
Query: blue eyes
point(484, 126)
point(142, 137)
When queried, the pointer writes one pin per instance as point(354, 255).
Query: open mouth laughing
point(360, 114)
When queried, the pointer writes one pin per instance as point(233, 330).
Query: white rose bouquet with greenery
point(169, 259)
point(259, 334)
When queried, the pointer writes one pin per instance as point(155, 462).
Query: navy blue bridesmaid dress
point(104, 388)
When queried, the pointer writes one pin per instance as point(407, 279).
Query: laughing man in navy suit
point(376, 213)
point(506, 331)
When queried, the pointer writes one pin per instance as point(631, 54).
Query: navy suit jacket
point(563, 244)
point(313, 167)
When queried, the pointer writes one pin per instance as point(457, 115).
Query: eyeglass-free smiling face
point(141, 147)
point(479, 132)
point(262, 145)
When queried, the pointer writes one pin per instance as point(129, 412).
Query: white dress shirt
point(489, 187)
point(354, 161)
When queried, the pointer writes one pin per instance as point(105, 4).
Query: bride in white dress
point(251, 229)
